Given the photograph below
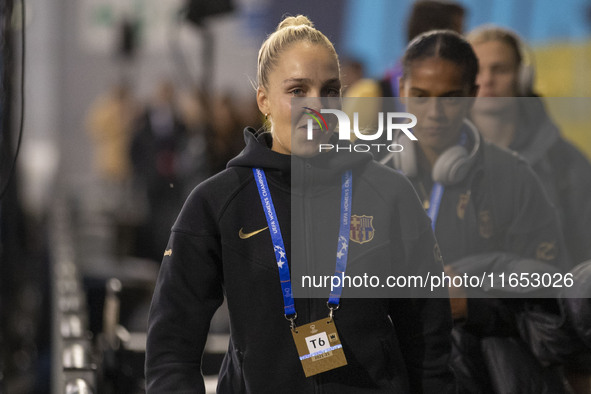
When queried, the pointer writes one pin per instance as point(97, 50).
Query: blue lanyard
point(343, 241)
point(434, 203)
point(279, 247)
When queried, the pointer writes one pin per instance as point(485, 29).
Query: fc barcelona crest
point(485, 224)
point(362, 230)
point(462, 204)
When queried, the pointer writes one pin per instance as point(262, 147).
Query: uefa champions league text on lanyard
point(318, 343)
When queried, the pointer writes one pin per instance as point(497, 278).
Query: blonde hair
point(291, 30)
point(489, 33)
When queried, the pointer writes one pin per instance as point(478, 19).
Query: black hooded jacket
point(564, 171)
point(496, 220)
point(391, 344)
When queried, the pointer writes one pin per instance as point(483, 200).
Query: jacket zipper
point(308, 223)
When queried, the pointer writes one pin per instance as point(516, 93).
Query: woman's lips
point(316, 130)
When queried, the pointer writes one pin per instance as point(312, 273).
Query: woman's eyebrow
point(333, 81)
point(296, 80)
point(308, 80)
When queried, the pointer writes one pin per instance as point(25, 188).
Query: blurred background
point(120, 107)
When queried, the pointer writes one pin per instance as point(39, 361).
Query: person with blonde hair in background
point(523, 125)
point(509, 114)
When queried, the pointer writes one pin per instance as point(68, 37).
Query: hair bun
point(299, 20)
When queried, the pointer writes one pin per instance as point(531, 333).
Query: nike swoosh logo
point(244, 235)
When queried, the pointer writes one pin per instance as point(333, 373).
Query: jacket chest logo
point(244, 235)
point(547, 251)
point(362, 229)
point(485, 225)
point(462, 204)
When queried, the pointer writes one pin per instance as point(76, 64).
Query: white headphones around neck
point(451, 167)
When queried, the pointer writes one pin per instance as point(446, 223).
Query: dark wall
point(7, 217)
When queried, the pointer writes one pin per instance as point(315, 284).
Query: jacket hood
point(536, 132)
point(326, 165)
point(258, 153)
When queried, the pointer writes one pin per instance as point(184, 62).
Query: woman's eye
point(333, 92)
point(296, 92)
point(501, 70)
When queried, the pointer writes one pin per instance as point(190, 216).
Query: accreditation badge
point(319, 346)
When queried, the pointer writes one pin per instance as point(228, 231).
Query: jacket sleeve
point(423, 325)
point(572, 182)
point(529, 229)
point(493, 316)
point(188, 292)
point(533, 228)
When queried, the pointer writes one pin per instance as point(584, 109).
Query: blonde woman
point(233, 239)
